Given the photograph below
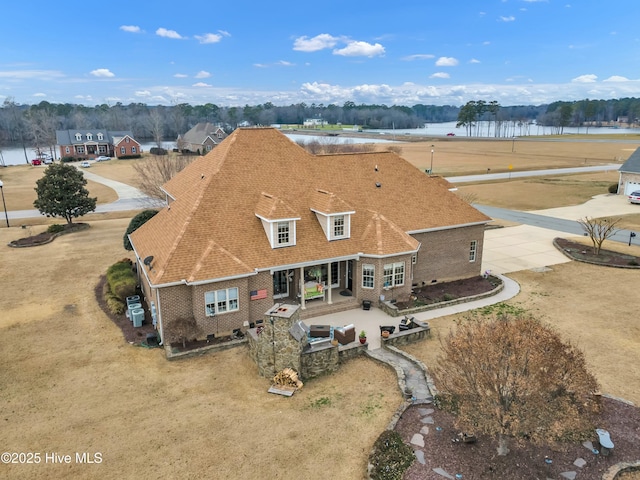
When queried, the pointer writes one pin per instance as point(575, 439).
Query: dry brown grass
point(70, 383)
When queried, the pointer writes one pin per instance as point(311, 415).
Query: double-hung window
point(283, 233)
point(473, 248)
point(221, 301)
point(338, 226)
point(368, 275)
point(393, 274)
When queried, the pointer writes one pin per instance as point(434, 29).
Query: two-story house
point(259, 220)
point(202, 138)
point(90, 144)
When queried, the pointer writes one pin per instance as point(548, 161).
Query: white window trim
point(210, 312)
point(276, 234)
point(344, 234)
point(473, 251)
point(100, 136)
point(372, 268)
point(396, 268)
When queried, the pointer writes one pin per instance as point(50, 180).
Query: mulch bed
point(133, 335)
point(525, 461)
point(441, 292)
point(584, 253)
point(47, 237)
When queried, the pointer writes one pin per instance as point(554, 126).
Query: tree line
point(35, 125)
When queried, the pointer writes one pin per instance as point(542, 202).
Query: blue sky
point(394, 53)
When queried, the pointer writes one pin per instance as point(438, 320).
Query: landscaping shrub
point(67, 159)
point(157, 151)
point(55, 228)
point(613, 188)
point(391, 457)
point(135, 223)
point(114, 304)
point(122, 279)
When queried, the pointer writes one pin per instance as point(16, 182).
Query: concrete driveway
point(527, 247)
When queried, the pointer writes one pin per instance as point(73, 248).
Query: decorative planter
point(385, 334)
point(363, 340)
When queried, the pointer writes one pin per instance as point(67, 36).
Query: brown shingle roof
point(328, 203)
point(211, 231)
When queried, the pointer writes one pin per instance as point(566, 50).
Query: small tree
point(598, 230)
point(182, 329)
point(135, 223)
point(155, 171)
point(62, 193)
point(515, 377)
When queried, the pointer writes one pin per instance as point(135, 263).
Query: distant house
point(90, 144)
point(259, 220)
point(629, 180)
point(201, 138)
point(314, 122)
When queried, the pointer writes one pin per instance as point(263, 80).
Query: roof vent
point(378, 184)
point(376, 167)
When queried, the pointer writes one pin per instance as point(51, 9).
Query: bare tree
point(598, 230)
point(514, 377)
point(156, 170)
point(156, 126)
point(182, 329)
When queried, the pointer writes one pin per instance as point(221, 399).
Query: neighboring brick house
point(90, 144)
point(629, 180)
point(201, 139)
point(260, 220)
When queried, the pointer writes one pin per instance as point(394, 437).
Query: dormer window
point(100, 137)
point(278, 221)
point(89, 136)
point(338, 226)
point(78, 137)
point(333, 214)
point(283, 233)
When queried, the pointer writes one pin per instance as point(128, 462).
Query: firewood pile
point(287, 378)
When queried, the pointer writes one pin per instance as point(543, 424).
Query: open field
point(69, 383)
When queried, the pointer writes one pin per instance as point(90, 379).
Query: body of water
point(16, 155)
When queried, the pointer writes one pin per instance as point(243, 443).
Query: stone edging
point(202, 350)
point(391, 310)
point(430, 385)
point(613, 471)
point(568, 255)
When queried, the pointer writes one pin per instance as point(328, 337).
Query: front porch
point(318, 307)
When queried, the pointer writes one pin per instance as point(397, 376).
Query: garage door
point(631, 187)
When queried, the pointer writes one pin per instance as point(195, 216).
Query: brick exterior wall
point(128, 146)
point(373, 294)
point(444, 255)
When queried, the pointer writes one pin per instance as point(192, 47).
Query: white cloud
point(446, 62)
point(419, 56)
point(163, 32)
point(180, 75)
point(360, 49)
point(319, 42)
point(440, 75)
point(28, 74)
point(130, 28)
point(284, 63)
point(39, 94)
point(203, 74)
point(260, 65)
point(510, 18)
point(201, 84)
point(589, 78)
point(143, 93)
point(102, 73)
point(209, 38)
point(616, 78)
point(474, 60)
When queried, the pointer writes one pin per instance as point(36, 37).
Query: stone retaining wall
point(392, 310)
point(406, 337)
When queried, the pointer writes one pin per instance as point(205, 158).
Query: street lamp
point(431, 167)
point(6, 216)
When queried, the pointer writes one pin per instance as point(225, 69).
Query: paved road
point(532, 173)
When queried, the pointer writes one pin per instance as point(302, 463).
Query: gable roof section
point(218, 195)
point(198, 134)
point(632, 165)
point(328, 203)
point(272, 208)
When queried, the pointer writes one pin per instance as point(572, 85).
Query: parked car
point(451, 134)
point(85, 164)
point(36, 161)
point(634, 197)
point(48, 161)
point(102, 158)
